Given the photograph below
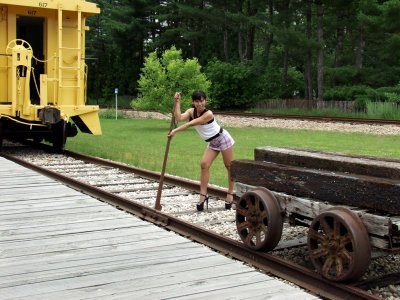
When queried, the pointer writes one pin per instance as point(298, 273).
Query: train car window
point(31, 29)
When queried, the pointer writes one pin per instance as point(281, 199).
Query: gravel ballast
point(232, 121)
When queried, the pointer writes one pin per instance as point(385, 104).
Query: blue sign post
point(116, 102)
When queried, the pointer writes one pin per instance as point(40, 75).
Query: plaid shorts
point(222, 142)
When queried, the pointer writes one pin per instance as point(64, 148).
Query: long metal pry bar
point(160, 186)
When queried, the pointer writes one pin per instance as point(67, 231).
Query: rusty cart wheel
point(338, 244)
point(259, 220)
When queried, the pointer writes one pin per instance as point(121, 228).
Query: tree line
point(253, 49)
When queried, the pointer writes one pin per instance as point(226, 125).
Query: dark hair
point(198, 94)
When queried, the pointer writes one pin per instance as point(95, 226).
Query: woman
point(219, 140)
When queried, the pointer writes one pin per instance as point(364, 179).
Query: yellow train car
point(43, 73)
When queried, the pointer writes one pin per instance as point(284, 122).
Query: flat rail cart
point(43, 73)
point(350, 204)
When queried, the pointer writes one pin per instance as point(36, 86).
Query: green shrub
point(375, 95)
point(294, 84)
point(110, 114)
point(390, 89)
point(345, 93)
point(238, 85)
point(234, 85)
point(363, 95)
point(271, 88)
point(162, 77)
point(393, 97)
point(391, 94)
point(360, 102)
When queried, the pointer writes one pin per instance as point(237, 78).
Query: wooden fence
point(346, 106)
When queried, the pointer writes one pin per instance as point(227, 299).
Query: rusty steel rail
point(299, 117)
point(310, 118)
point(268, 263)
point(177, 181)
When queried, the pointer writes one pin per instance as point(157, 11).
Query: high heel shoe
point(200, 205)
point(228, 204)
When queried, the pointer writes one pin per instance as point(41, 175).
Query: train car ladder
point(62, 48)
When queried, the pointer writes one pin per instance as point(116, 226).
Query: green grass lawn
point(142, 143)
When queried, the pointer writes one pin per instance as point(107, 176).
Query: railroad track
point(313, 118)
point(134, 190)
point(298, 117)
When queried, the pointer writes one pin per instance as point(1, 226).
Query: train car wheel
point(338, 245)
point(59, 136)
point(259, 220)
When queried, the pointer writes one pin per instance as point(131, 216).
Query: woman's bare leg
point(206, 162)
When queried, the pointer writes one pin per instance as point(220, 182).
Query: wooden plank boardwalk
point(56, 243)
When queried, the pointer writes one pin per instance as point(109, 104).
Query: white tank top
point(208, 130)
